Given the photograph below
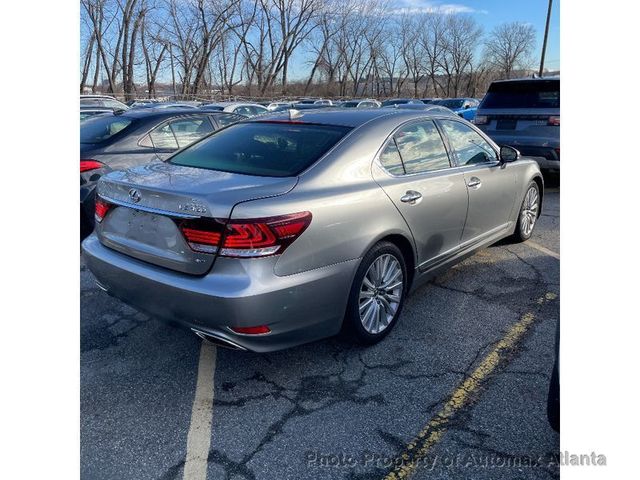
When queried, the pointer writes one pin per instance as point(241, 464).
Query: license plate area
point(506, 124)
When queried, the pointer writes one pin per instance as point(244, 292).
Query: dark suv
point(525, 114)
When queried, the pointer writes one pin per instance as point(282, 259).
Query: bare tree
point(509, 46)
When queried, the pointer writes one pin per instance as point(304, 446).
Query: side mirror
point(467, 106)
point(509, 154)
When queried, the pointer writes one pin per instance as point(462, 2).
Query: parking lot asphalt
point(457, 390)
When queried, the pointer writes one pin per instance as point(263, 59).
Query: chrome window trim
point(451, 166)
point(158, 211)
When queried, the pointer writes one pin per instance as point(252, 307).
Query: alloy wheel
point(380, 293)
point(529, 211)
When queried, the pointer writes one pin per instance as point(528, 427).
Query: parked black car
point(122, 140)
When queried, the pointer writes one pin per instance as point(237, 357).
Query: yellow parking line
point(199, 437)
point(542, 249)
point(416, 451)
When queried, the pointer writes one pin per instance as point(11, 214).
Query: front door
point(417, 176)
point(491, 184)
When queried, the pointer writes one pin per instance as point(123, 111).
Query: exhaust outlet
point(218, 341)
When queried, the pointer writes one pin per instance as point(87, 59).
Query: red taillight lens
point(203, 234)
point(86, 165)
point(263, 236)
point(257, 237)
point(259, 330)
point(554, 121)
point(102, 207)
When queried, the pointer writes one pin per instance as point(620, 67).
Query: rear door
point(491, 185)
point(430, 195)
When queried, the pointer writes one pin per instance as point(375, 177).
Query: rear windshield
point(523, 94)
point(270, 149)
point(450, 103)
point(101, 128)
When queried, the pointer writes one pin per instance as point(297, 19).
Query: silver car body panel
point(302, 293)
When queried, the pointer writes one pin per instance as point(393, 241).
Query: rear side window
point(262, 148)
point(391, 160)
point(188, 130)
point(180, 132)
point(523, 94)
point(101, 128)
point(421, 148)
point(470, 147)
point(163, 137)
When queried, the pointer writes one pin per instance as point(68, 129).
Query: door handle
point(474, 182)
point(411, 197)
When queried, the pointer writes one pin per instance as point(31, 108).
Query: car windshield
point(100, 128)
point(523, 94)
point(271, 149)
point(450, 103)
point(349, 104)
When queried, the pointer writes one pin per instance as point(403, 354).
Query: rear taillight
point(245, 238)
point(102, 207)
point(554, 120)
point(87, 165)
point(203, 234)
point(481, 120)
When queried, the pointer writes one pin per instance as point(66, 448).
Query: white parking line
point(199, 437)
point(542, 249)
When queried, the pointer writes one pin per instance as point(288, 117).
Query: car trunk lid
point(149, 204)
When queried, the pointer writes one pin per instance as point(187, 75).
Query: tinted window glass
point(115, 104)
point(188, 130)
point(163, 137)
point(390, 159)
point(470, 147)
point(101, 128)
point(262, 148)
point(421, 148)
point(523, 94)
point(450, 103)
point(224, 120)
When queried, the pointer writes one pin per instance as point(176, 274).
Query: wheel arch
point(406, 248)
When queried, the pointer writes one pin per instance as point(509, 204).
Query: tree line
point(250, 47)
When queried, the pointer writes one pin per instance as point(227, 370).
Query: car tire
point(528, 215)
point(375, 299)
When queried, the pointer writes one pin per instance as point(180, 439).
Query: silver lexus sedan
point(287, 228)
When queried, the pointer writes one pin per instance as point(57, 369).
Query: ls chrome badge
point(193, 207)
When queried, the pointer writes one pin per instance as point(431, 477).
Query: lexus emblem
point(134, 195)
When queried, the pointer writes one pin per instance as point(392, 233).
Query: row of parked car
point(523, 113)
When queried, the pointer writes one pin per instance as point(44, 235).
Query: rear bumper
point(297, 308)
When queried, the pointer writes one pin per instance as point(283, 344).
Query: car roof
point(345, 117)
point(152, 112)
point(228, 104)
point(528, 79)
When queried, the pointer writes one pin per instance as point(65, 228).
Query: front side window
point(421, 148)
point(470, 147)
point(272, 149)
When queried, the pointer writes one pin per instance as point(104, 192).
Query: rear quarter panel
point(350, 211)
